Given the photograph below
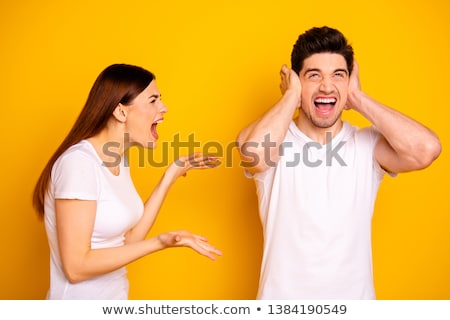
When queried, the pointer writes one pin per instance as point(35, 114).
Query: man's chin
point(326, 123)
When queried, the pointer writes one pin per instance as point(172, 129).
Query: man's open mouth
point(324, 105)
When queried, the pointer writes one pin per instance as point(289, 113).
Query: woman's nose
point(163, 108)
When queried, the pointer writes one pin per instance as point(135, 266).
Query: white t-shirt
point(316, 207)
point(79, 173)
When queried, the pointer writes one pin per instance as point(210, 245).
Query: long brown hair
point(118, 83)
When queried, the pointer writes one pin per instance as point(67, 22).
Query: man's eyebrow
point(318, 70)
point(341, 70)
point(312, 70)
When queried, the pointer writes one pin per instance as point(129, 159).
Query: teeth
point(325, 100)
point(158, 121)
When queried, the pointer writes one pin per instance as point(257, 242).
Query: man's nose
point(326, 85)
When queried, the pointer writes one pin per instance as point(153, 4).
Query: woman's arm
point(152, 206)
point(75, 224)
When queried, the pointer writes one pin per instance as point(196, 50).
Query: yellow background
point(217, 65)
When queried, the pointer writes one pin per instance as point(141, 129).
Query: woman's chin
point(150, 142)
point(151, 145)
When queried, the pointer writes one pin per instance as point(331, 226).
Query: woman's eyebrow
point(155, 96)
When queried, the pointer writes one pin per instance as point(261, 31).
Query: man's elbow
point(433, 150)
point(252, 158)
point(256, 156)
point(430, 151)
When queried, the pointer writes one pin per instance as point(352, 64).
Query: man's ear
point(120, 113)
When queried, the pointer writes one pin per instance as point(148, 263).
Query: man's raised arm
point(259, 143)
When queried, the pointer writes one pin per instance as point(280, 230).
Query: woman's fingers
point(199, 161)
point(206, 249)
point(196, 242)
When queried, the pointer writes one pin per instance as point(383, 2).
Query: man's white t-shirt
point(316, 207)
point(79, 173)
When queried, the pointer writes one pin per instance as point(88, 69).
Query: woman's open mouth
point(153, 128)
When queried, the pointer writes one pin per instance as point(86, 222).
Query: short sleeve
point(373, 136)
point(74, 176)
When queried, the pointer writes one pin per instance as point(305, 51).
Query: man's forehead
point(325, 61)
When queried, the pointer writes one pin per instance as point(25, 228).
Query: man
point(317, 176)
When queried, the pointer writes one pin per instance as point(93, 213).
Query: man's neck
point(315, 133)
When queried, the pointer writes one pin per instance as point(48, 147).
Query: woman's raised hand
point(183, 238)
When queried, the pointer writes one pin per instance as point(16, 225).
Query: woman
point(95, 220)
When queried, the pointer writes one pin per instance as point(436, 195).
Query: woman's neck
point(109, 145)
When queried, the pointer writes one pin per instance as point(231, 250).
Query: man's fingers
point(284, 70)
point(355, 66)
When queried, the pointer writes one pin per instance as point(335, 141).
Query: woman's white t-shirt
point(79, 173)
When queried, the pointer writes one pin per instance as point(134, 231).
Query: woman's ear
point(120, 113)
